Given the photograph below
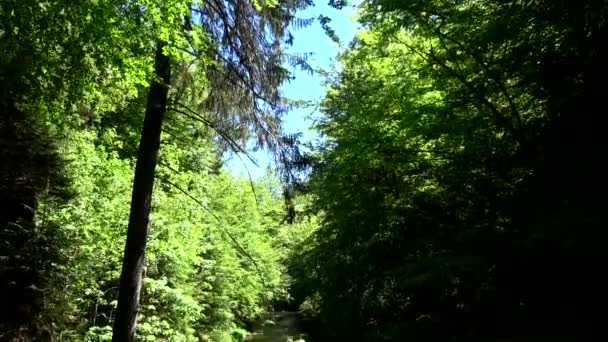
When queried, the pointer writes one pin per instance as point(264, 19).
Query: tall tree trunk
point(137, 233)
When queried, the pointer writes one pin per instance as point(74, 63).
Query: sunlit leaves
point(197, 279)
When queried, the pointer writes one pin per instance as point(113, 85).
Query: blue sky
point(305, 86)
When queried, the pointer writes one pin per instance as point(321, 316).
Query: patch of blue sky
point(305, 87)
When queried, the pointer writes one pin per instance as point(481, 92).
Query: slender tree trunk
point(137, 233)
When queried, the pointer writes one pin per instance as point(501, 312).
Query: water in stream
point(283, 326)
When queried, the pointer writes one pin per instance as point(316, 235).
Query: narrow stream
point(284, 326)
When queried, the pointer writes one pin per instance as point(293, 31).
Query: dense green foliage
point(457, 193)
point(74, 79)
point(460, 186)
point(197, 280)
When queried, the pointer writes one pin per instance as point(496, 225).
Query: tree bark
point(141, 200)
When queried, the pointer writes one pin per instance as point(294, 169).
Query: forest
point(455, 192)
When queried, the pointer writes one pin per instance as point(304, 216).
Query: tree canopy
point(456, 192)
point(454, 182)
point(77, 78)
